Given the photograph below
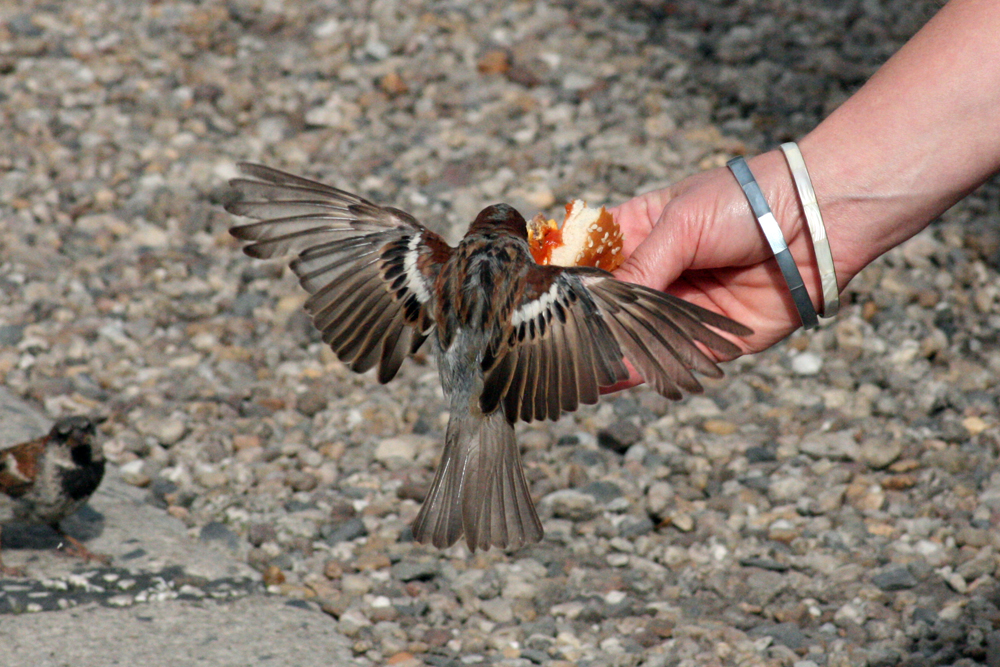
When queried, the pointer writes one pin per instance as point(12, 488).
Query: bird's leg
point(74, 547)
point(8, 571)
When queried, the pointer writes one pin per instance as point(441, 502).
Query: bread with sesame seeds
point(588, 237)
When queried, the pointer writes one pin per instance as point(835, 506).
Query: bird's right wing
point(370, 269)
point(572, 330)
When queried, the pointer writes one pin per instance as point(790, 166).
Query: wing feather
point(370, 269)
point(573, 329)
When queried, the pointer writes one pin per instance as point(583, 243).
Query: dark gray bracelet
point(772, 232)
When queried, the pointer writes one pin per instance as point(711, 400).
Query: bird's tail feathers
point(480, 489)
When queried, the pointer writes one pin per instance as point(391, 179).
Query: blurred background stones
point(833, 501)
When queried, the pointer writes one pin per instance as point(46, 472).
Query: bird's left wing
point(574, 326)
point(19, 466)
point(370, 269)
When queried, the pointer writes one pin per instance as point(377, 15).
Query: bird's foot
point(74, 547)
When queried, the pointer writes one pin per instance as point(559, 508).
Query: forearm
point(921, 134)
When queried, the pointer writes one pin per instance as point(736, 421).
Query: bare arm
point(917, 137)
point(920, 135)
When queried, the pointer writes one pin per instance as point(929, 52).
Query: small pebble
point(571, 504)
point(807, 363)
point(273, 576)
point(619, 436)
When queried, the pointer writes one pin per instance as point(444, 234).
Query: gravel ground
point(834, 501)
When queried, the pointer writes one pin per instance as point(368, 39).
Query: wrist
point(863, 219)
point(775, 179)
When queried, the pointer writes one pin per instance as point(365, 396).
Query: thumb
point(660, 258)
point(656, 262)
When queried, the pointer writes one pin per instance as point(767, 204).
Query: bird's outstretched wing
point(573, 328)
point(19, 466)
point(370, 269)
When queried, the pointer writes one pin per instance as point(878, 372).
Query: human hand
point(698, 240)
point(886, 162)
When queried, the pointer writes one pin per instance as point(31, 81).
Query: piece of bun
point(588, 237)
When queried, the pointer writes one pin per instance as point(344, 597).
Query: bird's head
point(79, 436)
point(500, 217)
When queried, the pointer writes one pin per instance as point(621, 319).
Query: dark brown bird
point(45, 480)
point(514, 340)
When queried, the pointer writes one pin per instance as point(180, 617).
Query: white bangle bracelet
point(824, 258)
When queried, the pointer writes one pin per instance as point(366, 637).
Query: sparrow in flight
point(45, 480)
point(513, 339)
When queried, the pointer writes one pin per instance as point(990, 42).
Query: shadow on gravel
point(769, 77)
point(85, 525)
point(117, 587)
point(970, 639)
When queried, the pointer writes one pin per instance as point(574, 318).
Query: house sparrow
point(513, 339)
point(49, 478)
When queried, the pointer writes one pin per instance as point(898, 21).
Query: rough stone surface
point(248, 631)
point(770, 521)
